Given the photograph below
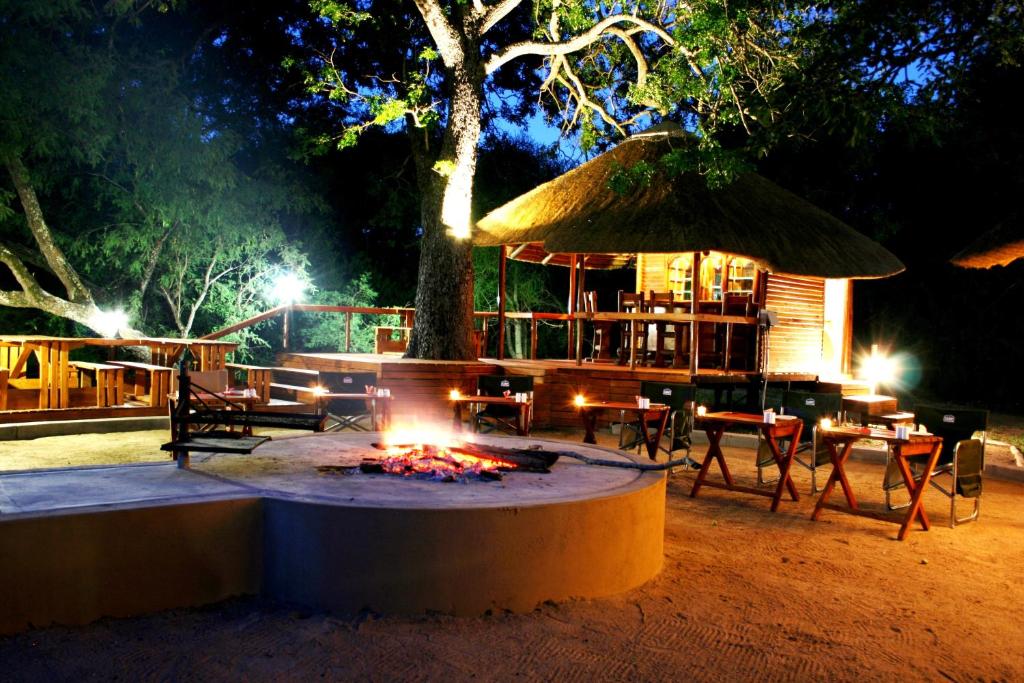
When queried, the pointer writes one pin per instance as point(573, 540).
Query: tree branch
point(54, 255)
point(444, 35)
point(496, 13)
point(586, 38)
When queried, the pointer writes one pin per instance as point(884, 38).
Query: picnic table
point(590, 411)
point(840, 440)
point(785, 426)
point(523, 411)
point(54, 357)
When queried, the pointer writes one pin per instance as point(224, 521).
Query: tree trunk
point(443, 329)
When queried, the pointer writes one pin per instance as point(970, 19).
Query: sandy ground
point(744, 594)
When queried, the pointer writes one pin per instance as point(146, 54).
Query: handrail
point(533, 316)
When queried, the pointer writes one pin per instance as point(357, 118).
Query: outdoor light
point(702, 411)
point(108, 323)
point(878, 368)
point(319, 391)
point(288, 288)
point(579, 400)
point(454, 395)
point(826, 423)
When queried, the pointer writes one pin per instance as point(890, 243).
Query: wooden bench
point(107, 379)
point(384, 341)
point(188, 414)
point(154, 378)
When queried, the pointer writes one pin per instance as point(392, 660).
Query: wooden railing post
point(348, 332)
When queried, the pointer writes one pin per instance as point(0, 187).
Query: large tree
point(605, 68)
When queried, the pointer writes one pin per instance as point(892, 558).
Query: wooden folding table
point(523, 409)
point(785, 426)
point(589, 413)
point(840, 440)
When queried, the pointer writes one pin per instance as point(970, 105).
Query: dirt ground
point(744, 594)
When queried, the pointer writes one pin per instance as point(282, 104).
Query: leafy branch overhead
point(605, 69)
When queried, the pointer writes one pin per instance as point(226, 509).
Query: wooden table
point(785, 426)
point(589, 413)
point(524, 409)
point(380, 407)
point(840, 440)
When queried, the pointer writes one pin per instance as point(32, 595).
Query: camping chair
point(680, 400)
point(810, 407)
point(601, 347)
point(497, 416)
point(348, 413)
point(962, 457)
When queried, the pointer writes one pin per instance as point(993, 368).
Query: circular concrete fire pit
point(404, 545)
point(288, 522)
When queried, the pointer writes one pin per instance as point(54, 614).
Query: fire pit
point(300, 521)
point(346, 539)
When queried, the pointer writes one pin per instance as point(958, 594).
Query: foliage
point(162, 174)
point(326, 331)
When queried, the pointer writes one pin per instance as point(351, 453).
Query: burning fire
point(435, 453)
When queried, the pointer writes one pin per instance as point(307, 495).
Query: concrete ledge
point(463, 561)
point(35, 430)
point(75, 568)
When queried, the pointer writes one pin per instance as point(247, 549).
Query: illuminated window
point(742, 275)
point(711, 267)
point(680, 277)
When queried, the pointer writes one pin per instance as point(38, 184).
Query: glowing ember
point(441, 463)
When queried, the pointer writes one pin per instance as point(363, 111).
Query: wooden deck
point(420, 387)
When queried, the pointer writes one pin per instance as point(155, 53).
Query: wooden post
point(348, 331)
point(533, 338)
point(502, 264)
point(580, 280)
point(572, 303)
point(284, 331)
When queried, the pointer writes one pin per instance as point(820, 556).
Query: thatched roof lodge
point(999, 246)
point(751, 238)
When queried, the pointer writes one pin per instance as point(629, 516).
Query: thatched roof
point(999, 246)
point(753, 217)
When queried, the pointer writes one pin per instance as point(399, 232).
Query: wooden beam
point(572, 302)
point(502, 273)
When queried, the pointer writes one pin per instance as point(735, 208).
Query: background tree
point(163, 176)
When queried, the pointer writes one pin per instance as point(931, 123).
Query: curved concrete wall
point(459, 561)
point(77, 566)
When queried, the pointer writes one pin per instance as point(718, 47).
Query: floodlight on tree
point(108, 323)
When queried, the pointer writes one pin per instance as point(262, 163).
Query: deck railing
point(682, 323)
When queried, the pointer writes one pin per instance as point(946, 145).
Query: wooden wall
point(795, 344)
point(652, 272)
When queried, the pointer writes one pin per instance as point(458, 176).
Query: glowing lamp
point(108, 323)
point(878, 368)
point(319, 391)
point(454, 395)
point(579, 400)
point(288, 288)
point(702, 411)
point(825, 423)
